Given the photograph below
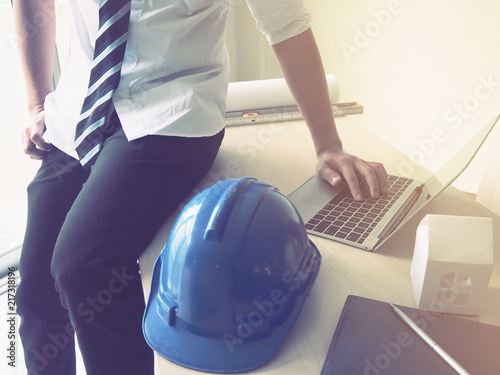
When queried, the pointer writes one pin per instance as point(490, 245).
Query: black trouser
point(85, 232)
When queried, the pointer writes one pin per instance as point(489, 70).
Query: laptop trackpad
point(313, 195)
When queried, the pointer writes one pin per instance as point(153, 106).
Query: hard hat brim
point(218, 355)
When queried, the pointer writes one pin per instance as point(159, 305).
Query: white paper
point(268, 93)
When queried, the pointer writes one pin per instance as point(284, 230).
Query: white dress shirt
point(174, 76)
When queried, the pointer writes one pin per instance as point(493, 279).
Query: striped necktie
point(114, 16)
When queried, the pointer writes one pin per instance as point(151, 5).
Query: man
point(90, 217)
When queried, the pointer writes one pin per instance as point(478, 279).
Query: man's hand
point(332, 166)
point(32, 139)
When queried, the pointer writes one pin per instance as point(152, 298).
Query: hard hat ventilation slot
point(222, 211)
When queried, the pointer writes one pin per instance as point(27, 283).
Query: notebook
point(370, 339)
point(332, 213)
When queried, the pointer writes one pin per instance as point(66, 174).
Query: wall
point(250, 55)
point(16, 168)
point(427, 72)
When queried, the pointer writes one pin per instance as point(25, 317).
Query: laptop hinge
point(402, 212)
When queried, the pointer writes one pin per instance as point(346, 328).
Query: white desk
point(283, 155)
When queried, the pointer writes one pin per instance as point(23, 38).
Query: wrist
point(325, 136)
point(328, 147)
point(34, 109)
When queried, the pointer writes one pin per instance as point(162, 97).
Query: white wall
point(250, 54)
point(426, 71)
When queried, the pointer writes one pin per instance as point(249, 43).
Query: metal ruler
point(290, 113)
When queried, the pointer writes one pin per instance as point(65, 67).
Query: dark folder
point(371, 339)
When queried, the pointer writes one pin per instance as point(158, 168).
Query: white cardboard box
point(452, 263)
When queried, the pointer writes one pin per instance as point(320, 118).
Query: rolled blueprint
point(269, 93)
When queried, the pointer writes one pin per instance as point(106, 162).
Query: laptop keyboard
point(345, 218)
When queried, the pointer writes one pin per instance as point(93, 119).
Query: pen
point(429, 341)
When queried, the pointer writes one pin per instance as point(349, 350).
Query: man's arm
point(303, 70)
point(35, 28)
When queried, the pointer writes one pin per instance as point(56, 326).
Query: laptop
point(331, 212)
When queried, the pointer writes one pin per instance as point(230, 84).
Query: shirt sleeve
point(280, 20)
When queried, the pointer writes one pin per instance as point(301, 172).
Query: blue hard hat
point(232, 279)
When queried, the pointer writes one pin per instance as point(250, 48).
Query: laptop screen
point(461, 160)
point(448, 172)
